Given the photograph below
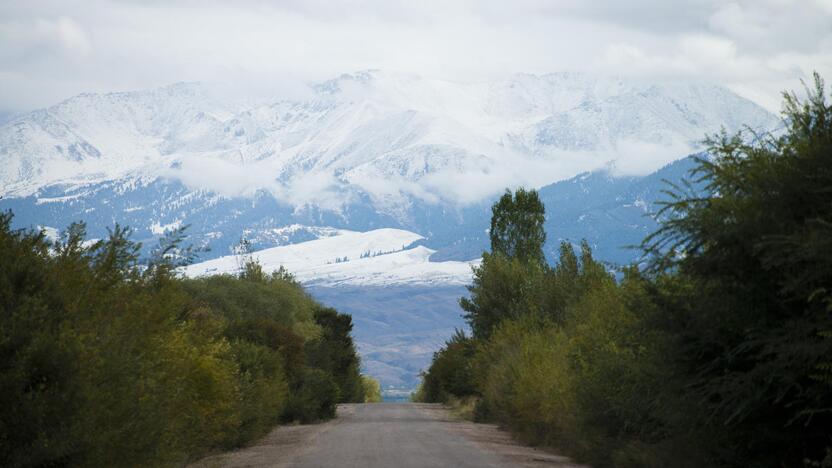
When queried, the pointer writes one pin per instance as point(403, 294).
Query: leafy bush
point(450, 373)
point(372, 389)
point(263, 387)
point(108, 362)
point(334, 352)
point(314, 399)
point(39, 386)
point(524, 380)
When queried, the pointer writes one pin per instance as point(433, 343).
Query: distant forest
point(716, 351)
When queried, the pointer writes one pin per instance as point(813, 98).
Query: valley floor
point(387, 435)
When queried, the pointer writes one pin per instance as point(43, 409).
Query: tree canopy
point(517, 226)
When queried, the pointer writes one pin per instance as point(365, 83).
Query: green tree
point(502, 288)
point(517, 226)
point(39, 385)
point(752, 323)
point(508, 282)
point(450, 373)
point(334, 352)
point(169, 255)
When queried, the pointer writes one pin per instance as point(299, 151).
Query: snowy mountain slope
point(99, 137)
point(614, 214)
point(392, 136)
point(411, 267)
point(375, 258)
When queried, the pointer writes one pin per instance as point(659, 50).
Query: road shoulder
point(490, 438)
point(279, 447)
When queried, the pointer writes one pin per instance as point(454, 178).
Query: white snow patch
point(41, 201)
point(160, 229)
point(337, 260)
point(52, 234)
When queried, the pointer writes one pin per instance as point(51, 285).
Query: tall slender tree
point(517, 226)
point(507, 284)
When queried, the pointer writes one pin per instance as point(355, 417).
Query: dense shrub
point(39, 387)
point(503, 288)
point(372, 389)
point(315, 397)
point(108, 362)
point(334, 352)
point(451, 372)
point(523, 374)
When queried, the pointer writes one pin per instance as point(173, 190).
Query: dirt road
point(388, 435)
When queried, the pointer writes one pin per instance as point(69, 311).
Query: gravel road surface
point(383, 435)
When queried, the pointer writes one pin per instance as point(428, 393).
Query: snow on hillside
point(95, 137)
point(393, 136)
point(412, 267)
point(375, 258)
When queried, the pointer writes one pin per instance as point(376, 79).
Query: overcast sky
point(50, 50)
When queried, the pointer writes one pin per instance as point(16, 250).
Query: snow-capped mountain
point(363, 151)
point(392, 136)
point(98, 137)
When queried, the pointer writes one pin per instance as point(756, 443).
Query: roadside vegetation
point(372, 389)
point(717, 351)
point(109, 361)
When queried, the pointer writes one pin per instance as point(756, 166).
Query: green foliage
point(107, 362)
point(263, 390)
point(170, 254)
point(315, 397)
point(513, 280)
point(450, 373)
point(520, 375)
point(38, 381)
point(717, 355)
point(584, 371)
point(503, 288)
point(335, 353)
point(517, 226)
point(756, 253)
point(101, 369)
point(507, 281)
point(263, 298)
point(372, 389)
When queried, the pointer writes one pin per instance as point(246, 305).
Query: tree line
point(106, 360)
point(715, 351)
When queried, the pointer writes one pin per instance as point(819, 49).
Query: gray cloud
point(50, 50)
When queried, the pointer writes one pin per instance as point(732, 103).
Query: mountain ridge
point(391, 136)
